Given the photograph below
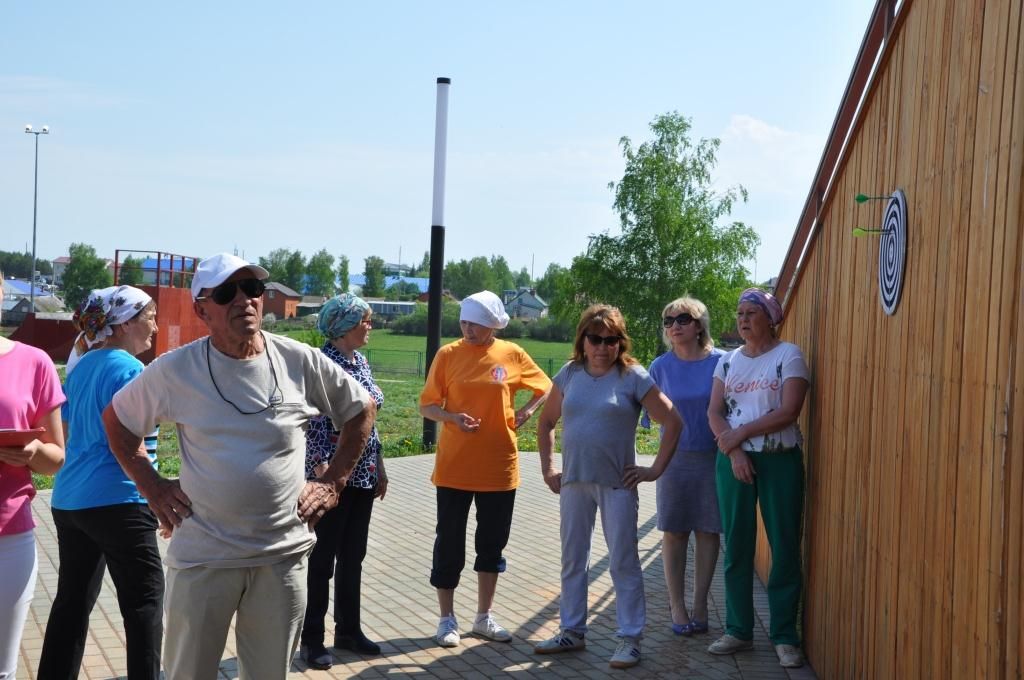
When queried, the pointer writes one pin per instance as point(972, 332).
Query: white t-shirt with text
point(753, 387)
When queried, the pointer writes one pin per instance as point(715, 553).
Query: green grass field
point(399, 422)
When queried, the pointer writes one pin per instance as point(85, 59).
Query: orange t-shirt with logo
point(480, 381)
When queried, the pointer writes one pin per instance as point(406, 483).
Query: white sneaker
point(447, 632)
point(565, 641)
point(489, 628)
point(627, 654)
point(789, 656)
point(727, 644)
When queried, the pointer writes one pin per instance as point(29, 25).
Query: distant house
point(62, 262)
point(357, 281)
point(310, 304)
point(281, 301)
point(14, 311)
point(524, 304)
point(180, 268)
point(389, 309)
point(59, 265)
point(45, 300)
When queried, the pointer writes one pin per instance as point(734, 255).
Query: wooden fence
point(915, 423)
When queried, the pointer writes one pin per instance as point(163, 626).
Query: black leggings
point(493, 525)
point(341, 536)
point(121, 538)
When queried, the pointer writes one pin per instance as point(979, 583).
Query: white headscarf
point(104, 308)
point(484, 308)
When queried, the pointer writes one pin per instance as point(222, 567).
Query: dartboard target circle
point(892, 252)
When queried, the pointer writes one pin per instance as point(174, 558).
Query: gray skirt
point(687, 499)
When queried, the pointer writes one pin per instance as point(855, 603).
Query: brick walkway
point(399, 606)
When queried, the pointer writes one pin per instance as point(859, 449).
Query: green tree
point(130, 273)
point(343, 282)
point(320, 274)
point(423, 271)
point(295, 271)
point(672, 241)
point(374, 276)
point(276, 264)
point(523, 278)
point(402, 290)
point(84, 272)
point(501, 274)
point(548, 285)
point(19, 265)
point(466, 277)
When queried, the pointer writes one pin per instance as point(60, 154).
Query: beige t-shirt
point(243, 473)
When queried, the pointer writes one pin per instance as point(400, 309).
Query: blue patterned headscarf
point(766, 301)
point(341, 314)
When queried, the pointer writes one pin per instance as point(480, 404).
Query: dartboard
point(892, 252)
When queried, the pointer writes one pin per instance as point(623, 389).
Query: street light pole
point(35, 204)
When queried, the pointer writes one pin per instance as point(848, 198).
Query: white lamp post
point(35, 203)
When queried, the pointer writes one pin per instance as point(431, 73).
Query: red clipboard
point(16, 439)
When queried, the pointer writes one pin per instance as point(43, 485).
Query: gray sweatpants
point(269, 602)
point(579, 504)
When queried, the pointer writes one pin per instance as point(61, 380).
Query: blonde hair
point(695, 308)
point(609, 318)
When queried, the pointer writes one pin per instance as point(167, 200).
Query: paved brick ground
point(400, 606)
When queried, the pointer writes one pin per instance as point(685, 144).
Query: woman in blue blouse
point(341, 534)
point(687, 500)
point(102, 521)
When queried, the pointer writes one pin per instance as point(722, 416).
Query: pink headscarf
point(765, 301)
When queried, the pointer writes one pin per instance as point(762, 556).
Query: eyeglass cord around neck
point(276, 397)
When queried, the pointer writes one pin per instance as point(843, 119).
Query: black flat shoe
point(316, 657)
point(357, 642)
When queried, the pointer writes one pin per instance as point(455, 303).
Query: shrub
point(514, 329)
point(551, 330)
point(416, 323)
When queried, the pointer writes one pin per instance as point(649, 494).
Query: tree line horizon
point(674, 238)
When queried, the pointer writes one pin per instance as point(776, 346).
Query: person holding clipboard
point(31, 440)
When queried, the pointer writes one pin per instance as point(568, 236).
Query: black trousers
point(341, 536)
point(493, 526)
point(121, 538)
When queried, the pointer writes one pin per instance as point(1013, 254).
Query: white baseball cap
point(217, 269)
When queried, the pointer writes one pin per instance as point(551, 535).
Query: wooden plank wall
point(915, 425)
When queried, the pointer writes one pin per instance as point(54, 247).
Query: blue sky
point(194, 128)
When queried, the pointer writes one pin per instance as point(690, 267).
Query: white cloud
point(776, 167)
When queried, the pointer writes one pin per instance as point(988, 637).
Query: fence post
point(419, 365)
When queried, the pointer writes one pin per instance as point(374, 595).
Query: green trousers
point(779, 488)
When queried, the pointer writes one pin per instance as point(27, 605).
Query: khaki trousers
point(269, 602)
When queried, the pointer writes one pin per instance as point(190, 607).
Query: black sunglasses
point(596, 339)
point(225, 292)
point(683, 319)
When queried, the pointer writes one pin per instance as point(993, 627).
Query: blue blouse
point(322, 438)
point(688, 385)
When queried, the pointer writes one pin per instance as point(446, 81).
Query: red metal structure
point(167, 279)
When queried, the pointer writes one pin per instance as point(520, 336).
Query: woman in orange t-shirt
point(471, 391)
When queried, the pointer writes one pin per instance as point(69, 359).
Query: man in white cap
point(242, 512)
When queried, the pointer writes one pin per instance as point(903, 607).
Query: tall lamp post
point(35, 203)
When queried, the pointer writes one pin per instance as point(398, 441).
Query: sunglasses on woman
point(607, 340)
point(225, 292)
point(683, 319)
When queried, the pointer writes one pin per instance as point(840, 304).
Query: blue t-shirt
point(688, 385)
point(91, 477)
